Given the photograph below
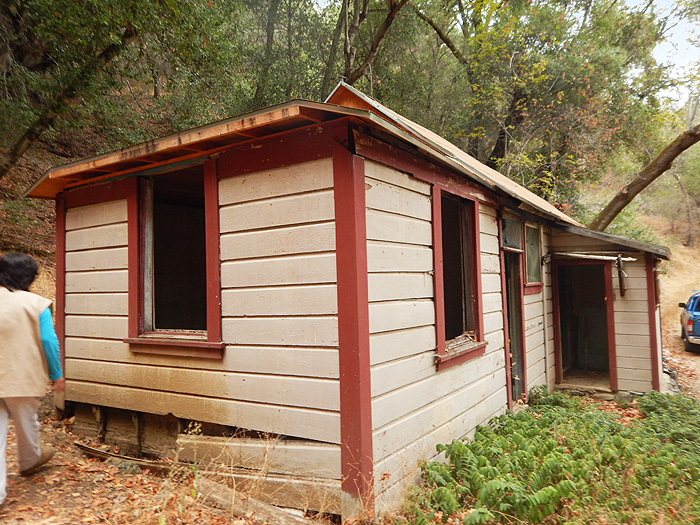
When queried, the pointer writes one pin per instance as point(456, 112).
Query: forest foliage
point(556, 94)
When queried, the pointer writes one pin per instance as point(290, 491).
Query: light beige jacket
point(23, 367)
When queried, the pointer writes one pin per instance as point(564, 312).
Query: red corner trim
point(353, 326)
point(213, 263)
point(653, 328)
point(558, 372)
point(135, 267)
point(438, 276)
point(60, 303)
point(610, 310)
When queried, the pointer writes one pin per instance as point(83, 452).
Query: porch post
point(357, 467)
point(653, 324)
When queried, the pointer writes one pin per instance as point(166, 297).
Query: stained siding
point(279, 372)
point(413, 406)
point(279, 297)
point(632, 337)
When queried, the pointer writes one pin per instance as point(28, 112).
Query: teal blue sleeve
point(49, 340)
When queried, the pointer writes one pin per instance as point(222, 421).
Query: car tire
point(690, 347)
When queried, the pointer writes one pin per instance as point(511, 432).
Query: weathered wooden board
point(393, 473)
point(394, 199)
point(401, 372)
point(490, 264)
point(628, 328)
point(489, 244)
point(280, 211)
point(108, 236)
point(288, 180)
point(95, 282)
point(322, 394)
point(492, 302)
point(641, 351)
point(490, 283)
point(640, 341)
point(291, 240)
point(97, 327)
point(383, 226)
point(280, 301)
point(389, 257)
point(446, 419)
point(270, 455)
point(290, 421)
point(388, 346)
point(103, 259)
point(398, 286)
point(638, 363)
point(397, 315)
point(624, 306)
point(493, 322)
point(293, 361)
point(97, 304)
point(400, 403)
point(381, 172)
point(301, 269)
point(487, 221)
point(96, 214)
point(634, 374)
point(634, 386)
point(292, 331)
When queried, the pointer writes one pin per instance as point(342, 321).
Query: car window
point(693, 304)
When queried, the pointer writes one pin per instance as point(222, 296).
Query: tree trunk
point(261, 87)
point(62, 100)
point(688, 210)
point(514, 118)
point(353, 75)
point(332, 54)
point(649, 174)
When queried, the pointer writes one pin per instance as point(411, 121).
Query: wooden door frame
point(609, 310)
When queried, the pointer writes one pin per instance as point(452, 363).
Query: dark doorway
point(514, 304)
point(583, 322)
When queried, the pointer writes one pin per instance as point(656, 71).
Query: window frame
point(532, 287)
point(205, 344)
point(459, 351)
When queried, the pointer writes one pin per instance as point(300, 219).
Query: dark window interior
point(179, 251)
point(458, 266)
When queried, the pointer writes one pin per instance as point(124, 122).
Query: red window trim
point(143, 342)
point(445, 359)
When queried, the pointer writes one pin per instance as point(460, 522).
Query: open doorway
point(585, 344)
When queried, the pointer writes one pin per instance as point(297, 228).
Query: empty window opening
point(175, 287)
point(458, 252)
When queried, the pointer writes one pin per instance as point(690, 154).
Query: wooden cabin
point(324, 292)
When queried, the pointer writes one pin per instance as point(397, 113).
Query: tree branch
point(649, 174)
point(63, 99)
point(443, 36)
point(394, 8)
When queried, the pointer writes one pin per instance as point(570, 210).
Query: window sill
point(462, 353)
point(183, 345)
point(531, 289)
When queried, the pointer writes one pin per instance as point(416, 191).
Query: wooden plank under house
point(316, 294)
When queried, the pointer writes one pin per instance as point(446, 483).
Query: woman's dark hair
point(17, 271)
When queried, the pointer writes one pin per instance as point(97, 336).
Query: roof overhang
point(621, 242)
point(187, 145)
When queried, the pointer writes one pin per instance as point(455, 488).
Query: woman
point(28, 350)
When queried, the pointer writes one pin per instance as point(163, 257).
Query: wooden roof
point(345, 101)
point(187, 145)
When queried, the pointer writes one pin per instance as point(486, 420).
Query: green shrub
point(564, 461)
